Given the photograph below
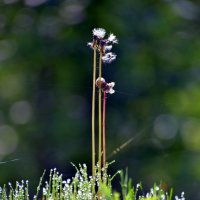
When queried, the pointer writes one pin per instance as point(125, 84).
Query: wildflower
point(112, 38)
point(103, 45)
point(107, 48)
point(108, 57)
point(109, 88)
point(106, 87)
point(99, 33)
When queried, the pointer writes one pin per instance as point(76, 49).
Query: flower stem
point(104, 131)
point(93, 113)
point(100, 125)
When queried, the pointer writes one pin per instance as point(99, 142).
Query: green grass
point(84, 187)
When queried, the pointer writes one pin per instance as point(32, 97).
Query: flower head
point(106, 87)
point(107, 48)
point(99, 33)
point(112, 38)
point(100, 82)
point(103, 44)
point(109, 88)
point(108, 57)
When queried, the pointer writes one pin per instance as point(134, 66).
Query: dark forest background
point(46, 79)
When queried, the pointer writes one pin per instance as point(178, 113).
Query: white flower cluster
point(104, 45)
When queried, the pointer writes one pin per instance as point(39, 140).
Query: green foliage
point(83, 187)
point(45, 81)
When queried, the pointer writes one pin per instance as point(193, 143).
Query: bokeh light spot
point(11, 86)
point(8, 140)
point(49, 26)
point(185, 9)
point(24, 21)
point(190, 132)
point(7, 49)
point(21, 112)
point(72, 13)
point(34, 3)
point(165, 127)
point(10, 1)
point(2, 22)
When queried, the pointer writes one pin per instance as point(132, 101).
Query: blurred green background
point(46, 79)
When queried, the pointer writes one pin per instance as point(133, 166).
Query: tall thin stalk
point(104, 130)
point(93, 112)
point(103, 46)
point(100, 123)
